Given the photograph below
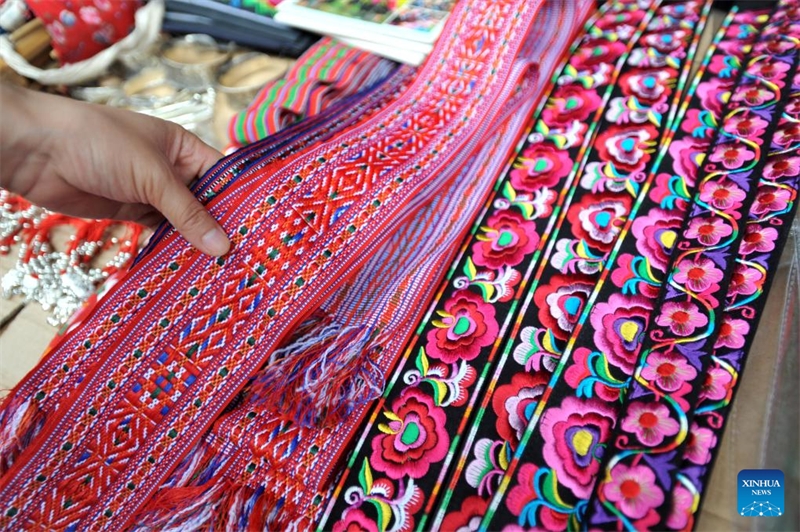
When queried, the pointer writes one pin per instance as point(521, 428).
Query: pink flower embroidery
point(787, 134)
point(634, 490)
point(699, 444)
point(722, 196)
point(753, 96)
point(413, 439)
point(505, 240)
point(681, 317)
point(758, 239)
point(650, 422)
point(773, 47)
point(688, 154)
point(694, 124)
point(745, 280)
point(524, 493)
point(745, 126)
point(619, 327)
point(769, 70)
point(698, 274)
point(714, 94)
point(782, 167)
point(668, 371)
point(708, 231)
point(731, 156)
point(579, 371)
point(732, 333)
point(681, 512)
point(655, 235)
point(772, 200)
point(466, 325)
point(720, 64)
point(792, 108)
point(716, 385)
point(574, 435)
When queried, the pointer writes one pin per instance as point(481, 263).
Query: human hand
point(92, 161)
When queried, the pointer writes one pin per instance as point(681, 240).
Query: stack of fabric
point(328, 72)
point(422, 325)
point(246, 22)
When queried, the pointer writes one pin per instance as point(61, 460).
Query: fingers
point(180, 207)
point(192, 157)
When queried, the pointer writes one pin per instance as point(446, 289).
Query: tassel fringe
point(323, 375)
point(20, 422)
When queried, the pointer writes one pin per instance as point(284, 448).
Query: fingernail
point(216, 242)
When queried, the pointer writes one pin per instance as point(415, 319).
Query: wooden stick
point(33, 44)
point(26, 29)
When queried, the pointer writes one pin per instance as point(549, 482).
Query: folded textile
point(327, 72)
point(248, 23)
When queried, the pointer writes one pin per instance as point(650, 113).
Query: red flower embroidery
point(570, 104)
point(414, 438)
point(541, 165)
point(627, 149)
point(468, 517)
point(561, 302)
point(514, 403)
point(596, 51)
point(355, 521)
point(505, 240)
point(465, 326)
point(599, 220)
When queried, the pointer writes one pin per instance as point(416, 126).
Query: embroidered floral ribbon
point(768, 226)
point(640, 461)
point(528, 188)
point(125, 426)
point(641, 106)
point(599, 357)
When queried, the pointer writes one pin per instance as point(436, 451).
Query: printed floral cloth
point(81, 28)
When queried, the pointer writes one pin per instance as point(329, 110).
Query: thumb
point(183, 211)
